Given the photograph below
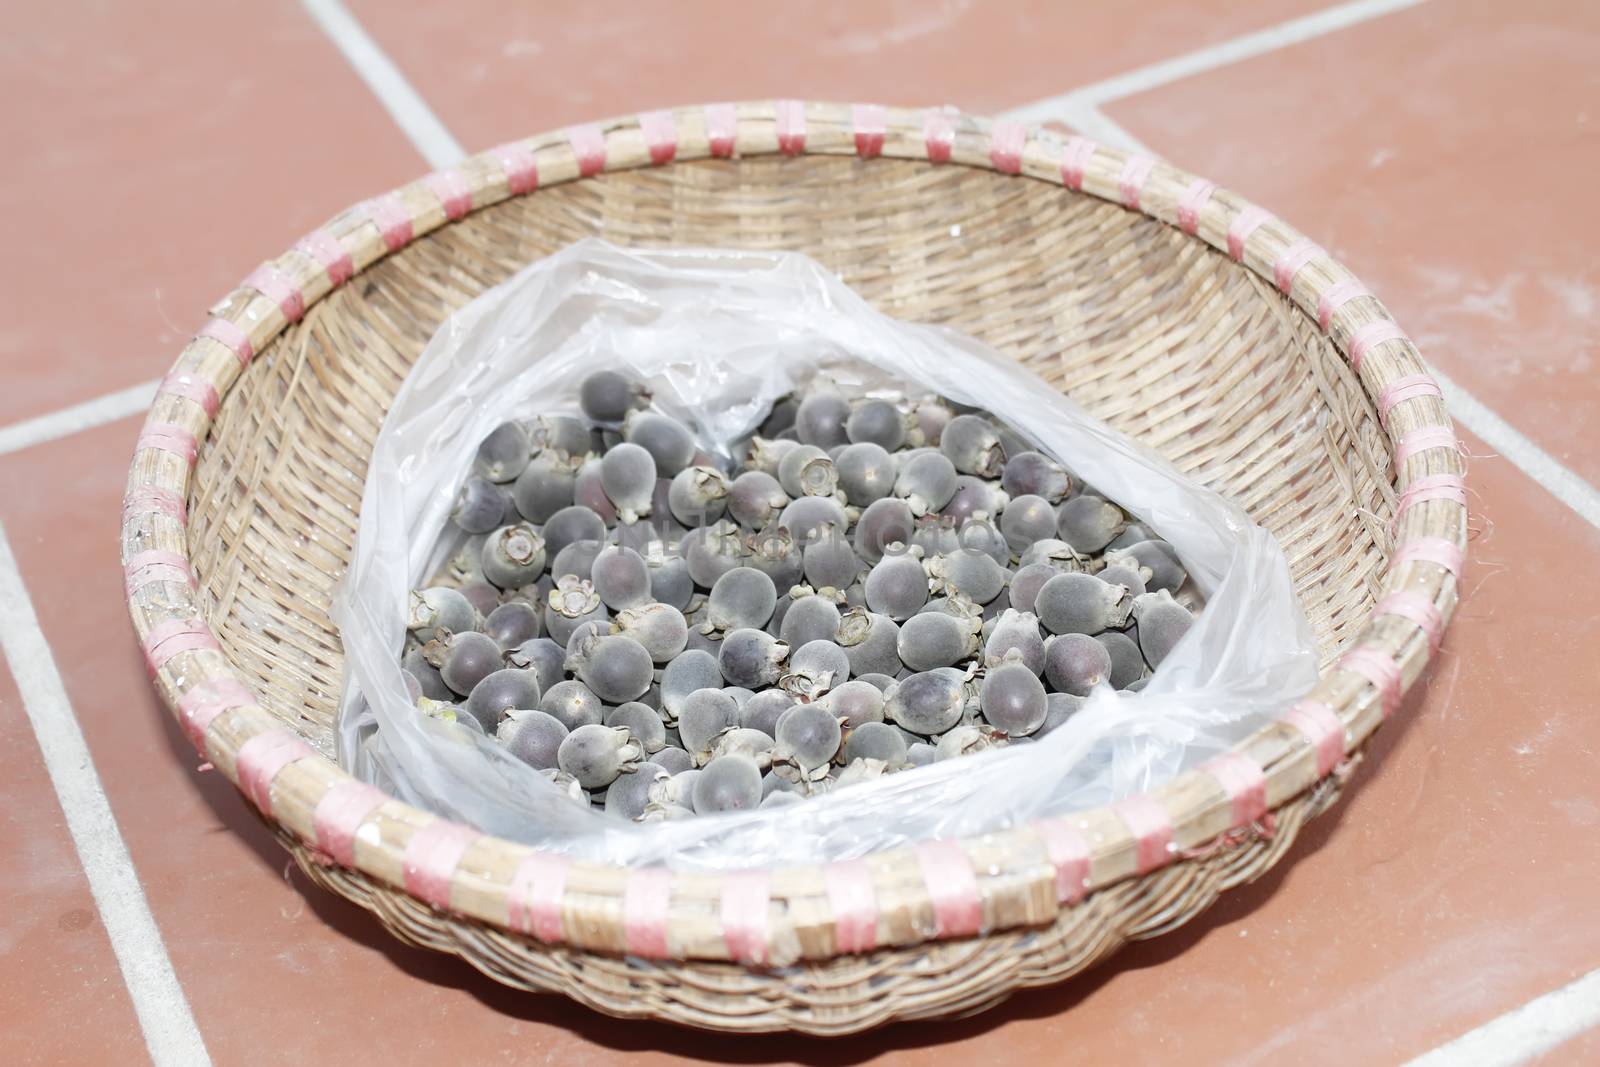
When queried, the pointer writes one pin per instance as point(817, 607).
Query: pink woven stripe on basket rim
point(260, 759)
point(1075, 156)
point(952, 886)
point(519, 165)
point(722, 128)
point(939, 133)
point(175, 637)
point(1422, 439)
point(870, 123)
point(1435, 550)
point(746, 901)
point(1335, 297)
point(327, 252)
point(791, 123)
point(660, 130)
point(229, 336)
point(1380, 669)
point(431, 858)
point(192, 387)
point(1322, 728)
point(1418, 609)
point(1243, 782)
point(204, 702)
point(1370, 336)
point(277, 286)
point(1130, 182)
point(453, 191)
point(156, 565)
point(388, 213)
point(1407, 387)
point(1007, 140)
point(153, 499)
point(1193, 201)
point(534, 899)
point(1150, 825)
point(588, 142)
point(1432, 487)
point(168, 437)
point(1292, 261)
point(1068, 852)
point(854, 903)
point(1244, 224)
point(646, 896)
point(338, 817)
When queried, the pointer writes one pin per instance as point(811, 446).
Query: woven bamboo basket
point(1184, 316)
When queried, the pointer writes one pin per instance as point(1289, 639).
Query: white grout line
point(1189, 64)
point(1561, 481)
point(169, 1028)
point(134, 400)
point(403, 103)
point(1519, 1035)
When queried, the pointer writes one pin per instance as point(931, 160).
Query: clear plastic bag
point(719, 336)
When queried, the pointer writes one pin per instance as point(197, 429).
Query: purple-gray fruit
point(920, 754)
point(1026, 583)
point(503, 454)
point(935, 535)
point(427, 676)
point(1166, 572)
point(805, 514)
point(871, 642)
point(499, 691)
point(596, 755)
point(1036, 474)
point(814, 668)
point(977, 497)
point(928, 703)
point(544, 657)
point(704, 714)
point(762, 711)
point(513, 556)
point(973, 574)
point(575, 523)
point(808, 736)
point(897, 585)
point(967, 740)
point(1075, 663)
point(866, 473)
point(775, 553)
point(532, 736)
point(978, 534)
point(1127, 661)
point(483, 597)
point(755, 498)
point(1013, 698)
point(1162, 623)
point(480, 506)
point(1088, 523)
point(1129, 575)
point(616, 669)
point(573, 703)
point(1027, 519)
point(936, 639)
point(742, 741)
point(971, 444)
point(560, 433)
point(511, 624)
point(642, 722)
point(1077, 603)
point(1016, 631)
point(855, 703)
point(821, 418)
point(470, 658)
point(628, 475)
point(607, 396)
point(546, 485)
point(883, 523)
point(572, 603)
point(883, 682)
point(752, 658)
point(807, 471)
point(588, 492)
point(697, 496)
point(576, 559)
point(876, 422)
point(742, 598)
point(828, 560)
point(712, 551)
point(670, 581)
point(926, 482)
point(1054, 552)
point(666, 439)
point(629, 795)
point(1061, 707)
point(727, 783)
point(660, 628)
point(809, 617)
point(689, 671)
point(875, 740)
point(675, 761)
point(437, 612)
point(621, 577)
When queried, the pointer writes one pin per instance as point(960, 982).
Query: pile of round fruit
point(881, 583)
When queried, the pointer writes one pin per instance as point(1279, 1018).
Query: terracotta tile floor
point(1453, 885)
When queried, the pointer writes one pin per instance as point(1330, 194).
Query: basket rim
point(1052, 864)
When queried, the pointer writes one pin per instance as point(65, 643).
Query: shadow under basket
point(1177, 312)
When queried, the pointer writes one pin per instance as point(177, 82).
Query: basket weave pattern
point(1178, 312)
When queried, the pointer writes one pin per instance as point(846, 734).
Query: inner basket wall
point(1164, 338)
